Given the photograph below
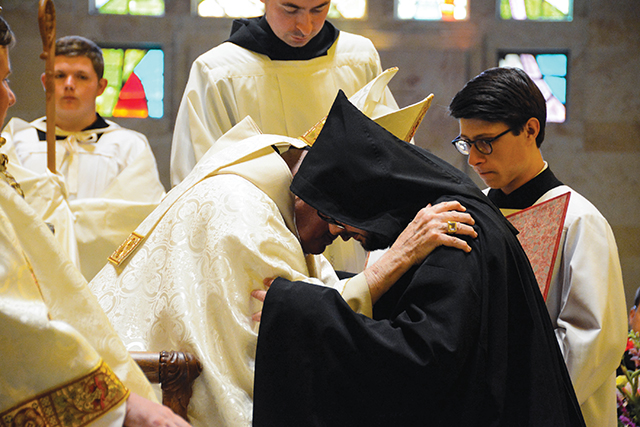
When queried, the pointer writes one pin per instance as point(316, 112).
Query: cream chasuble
point(56, 331)
point(186, 285)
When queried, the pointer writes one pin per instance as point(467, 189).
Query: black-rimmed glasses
point(330, 220)
point(482, 145)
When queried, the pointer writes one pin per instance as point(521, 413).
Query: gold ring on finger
point(452, 227)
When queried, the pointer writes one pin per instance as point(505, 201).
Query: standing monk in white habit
point(108, 179)
point(284, 70)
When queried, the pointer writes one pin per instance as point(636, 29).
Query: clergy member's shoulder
point(129, 140)
point(353, 43)
point(17, 125)
point(580, 211)
point(229, 58)
point(115, 129)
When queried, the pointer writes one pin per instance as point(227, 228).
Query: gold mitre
point(402, 123)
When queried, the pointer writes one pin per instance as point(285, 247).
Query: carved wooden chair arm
point(175, 371)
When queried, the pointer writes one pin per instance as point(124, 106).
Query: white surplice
point(587, 307)
point(229, 82)
point(107, 183)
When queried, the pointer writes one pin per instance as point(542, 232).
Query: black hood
point(256, 35)
point(362, 175)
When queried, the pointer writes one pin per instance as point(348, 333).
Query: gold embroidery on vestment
point(4, 160)
point(125, 249)
point(75, 404)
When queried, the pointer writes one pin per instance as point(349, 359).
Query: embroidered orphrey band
point(4, 160)
point(75, 404)
point(125, 249)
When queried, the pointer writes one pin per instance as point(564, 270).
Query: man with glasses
point(502, 116)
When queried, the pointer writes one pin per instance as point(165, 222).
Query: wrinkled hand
point(427, 231)
point(142, 412)
point(260, 295)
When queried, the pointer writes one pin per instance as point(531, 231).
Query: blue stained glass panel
point(150, 71)
point(555, 65)
point(558, 86)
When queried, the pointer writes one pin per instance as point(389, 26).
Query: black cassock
point(461, 340)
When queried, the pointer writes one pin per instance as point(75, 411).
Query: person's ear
point(102, 85)
point(532, 129)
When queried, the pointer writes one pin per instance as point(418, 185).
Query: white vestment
point(214, 238)
point(586, 303)
point(54, 332)
point(107, 183)
point(229, 82)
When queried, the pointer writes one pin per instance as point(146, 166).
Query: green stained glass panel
point(536, 10)
point(113, 61)
point(130, 7)
point(131, 58)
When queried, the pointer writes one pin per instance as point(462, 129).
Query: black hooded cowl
point(463, 339)
point(256, 35)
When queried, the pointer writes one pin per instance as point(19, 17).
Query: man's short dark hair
point(6, 35)
point(501, 94)
point(80, 46)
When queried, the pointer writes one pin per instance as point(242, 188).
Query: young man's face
point(509, 164)
point(7, 98)
point(77, 87)
point(295, 22)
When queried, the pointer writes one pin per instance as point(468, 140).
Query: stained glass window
point(537, 10)
point(432, 10)
point(347, 9)
point(135, 83)
point(549, 71)
point(230, 8)
point(128, 7)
